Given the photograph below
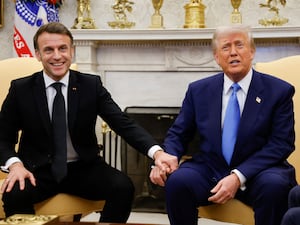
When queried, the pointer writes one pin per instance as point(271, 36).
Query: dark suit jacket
point(25, 109)
point(266, 131)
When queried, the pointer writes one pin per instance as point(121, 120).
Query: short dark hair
point(52, 28)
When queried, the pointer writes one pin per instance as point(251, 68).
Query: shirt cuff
point(154, 149)
point(9, 162)
point(241, 177)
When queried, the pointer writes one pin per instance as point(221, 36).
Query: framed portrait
point(1, 12)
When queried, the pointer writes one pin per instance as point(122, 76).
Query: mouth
point(57, 64)
point(234, 62)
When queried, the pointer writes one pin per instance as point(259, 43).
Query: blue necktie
point(59, 126)
point(231, 124)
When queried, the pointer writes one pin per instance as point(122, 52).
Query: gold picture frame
point(1, 13)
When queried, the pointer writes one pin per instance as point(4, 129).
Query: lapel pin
point(258, 100)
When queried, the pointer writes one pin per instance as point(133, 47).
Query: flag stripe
point(20, 45)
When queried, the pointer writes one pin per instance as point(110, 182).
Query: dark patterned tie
point(59, 126)
point(231, 124)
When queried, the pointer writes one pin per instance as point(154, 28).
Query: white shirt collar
point(49, 81)
point(244, 83)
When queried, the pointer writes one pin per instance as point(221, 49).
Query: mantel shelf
point(176, 34)
point(170, 49)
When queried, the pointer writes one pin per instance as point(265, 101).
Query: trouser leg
point(99, 181)
point(17, 201)
point(291, 217)
point(186, 189)
point(268, 194)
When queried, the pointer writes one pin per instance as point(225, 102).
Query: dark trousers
point(190, 185)
point(292, 216)
point(94, 180)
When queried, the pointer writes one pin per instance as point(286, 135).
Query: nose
point(233, 51)
point(56, 54)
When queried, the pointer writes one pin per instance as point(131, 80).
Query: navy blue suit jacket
point(266, 131)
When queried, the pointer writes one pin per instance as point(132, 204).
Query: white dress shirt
point(241, 96)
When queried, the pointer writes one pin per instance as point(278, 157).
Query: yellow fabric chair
point(288, 69)
point(235, 211)
point(61, 204)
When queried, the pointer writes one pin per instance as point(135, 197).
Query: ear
point(72, 52)
point(216, 58)
point(252, 53)
point(37, 55)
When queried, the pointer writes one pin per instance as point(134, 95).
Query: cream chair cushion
point(61, 204)
point(288, 69)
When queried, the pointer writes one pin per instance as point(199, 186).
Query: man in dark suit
point(292, 216)
point(254, 169)
point(28, 108)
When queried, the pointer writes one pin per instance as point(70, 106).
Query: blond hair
point(240, 29)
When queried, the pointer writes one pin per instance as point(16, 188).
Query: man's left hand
point(225, 189)
point(165, 164)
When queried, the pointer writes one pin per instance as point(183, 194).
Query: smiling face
point(55, 51)
point(234, 53)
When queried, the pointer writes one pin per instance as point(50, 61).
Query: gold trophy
point(236, 16)
point(84, 20)
point(194, 14)
point(120, 7)
point(157, 19)
point(276, 19)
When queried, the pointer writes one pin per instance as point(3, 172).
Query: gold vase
point(236, 16)
point(84, 20)
point(194, 14)
point(157, 18)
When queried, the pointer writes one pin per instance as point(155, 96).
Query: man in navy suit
point(257, 173)
point(292, 216)
point(28, 108)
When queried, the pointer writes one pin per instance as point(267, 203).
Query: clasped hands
point(165, 164)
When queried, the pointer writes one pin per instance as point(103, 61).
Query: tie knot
point(57, 86)
point(235, 87)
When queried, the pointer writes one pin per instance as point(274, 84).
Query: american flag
point(29, 16)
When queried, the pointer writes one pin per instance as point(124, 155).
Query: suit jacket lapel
point(251, 110)
point(39, 90)
point(215, 109)
point(73, 94)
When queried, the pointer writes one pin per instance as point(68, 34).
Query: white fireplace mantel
point(153, 67)
point(94, 45)
point(176, 34)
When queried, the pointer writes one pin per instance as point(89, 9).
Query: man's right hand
point(165, 164)
point(17, 173)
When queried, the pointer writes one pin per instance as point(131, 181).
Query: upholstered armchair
point(235, 211)
point(62, 204)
